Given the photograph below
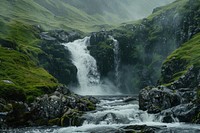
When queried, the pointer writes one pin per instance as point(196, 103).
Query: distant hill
point(84, 15)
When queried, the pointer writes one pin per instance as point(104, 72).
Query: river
point(113, 113)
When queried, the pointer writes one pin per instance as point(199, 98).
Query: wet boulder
point(59, 36)
point(141, 129)
point(110, 118)
point(59, 105)
point(72, 117)
point(19, 115)
point(182, 112)
point(62, 108)
point(155, 100)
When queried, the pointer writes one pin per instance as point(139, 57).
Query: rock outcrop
point(101, 48)
point(181, 78)
point(155, 100)
point(61, 108)
point(145, 44)
point(56, 59)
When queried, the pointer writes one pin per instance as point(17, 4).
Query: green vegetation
point(177, 6)
point(18, 62)
point(49, 14)
point(27, 79)
point(146, 43)
point(189, 52)
point(187, 55)
point(103, 52)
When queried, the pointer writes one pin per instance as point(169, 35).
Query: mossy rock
point(55, 121)
point(68, 121)
point(89, 105)
point(4, 106)
point(72, 118)
point(41, 122)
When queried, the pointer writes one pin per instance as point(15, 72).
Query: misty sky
point(123, 10)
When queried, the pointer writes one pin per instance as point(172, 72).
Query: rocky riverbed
point(62, 108)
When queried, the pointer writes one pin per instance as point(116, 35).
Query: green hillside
point(36, 12)
point(85, 16)
point(18, 62)
point(187, 57)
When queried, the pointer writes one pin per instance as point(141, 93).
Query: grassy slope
point(50, 14)
point(189, 54)
point(18, 63)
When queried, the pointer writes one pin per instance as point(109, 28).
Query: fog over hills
point(120, 10)
point(84, 15)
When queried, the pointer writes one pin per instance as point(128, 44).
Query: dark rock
point(62, 108)
point(110, 118)
point(45, 36)
point(98, 37)
point(187, 95)
point(92, 99)
point(55, 121)
point(190, 79)
point(168, 119)
point(155, 100)
point(8, 44)
point(71, 118)
point(59, 36)
point(129, 99)
point(56, 59)
point(19, 115)
point(102, 50)
point(183, 112)
point(142, 128)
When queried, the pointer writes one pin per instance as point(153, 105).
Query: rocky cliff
point(145, 44)
point(177, 94)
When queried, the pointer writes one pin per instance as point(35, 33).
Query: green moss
point(41, 122)
point(5, 108)
point(53, 122)
point(189, 54)
point(89, 104)
point(177, 6)
point(27, 78)
point(196, 119)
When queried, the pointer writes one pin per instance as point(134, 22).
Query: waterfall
point(116, 61)
point(88, 75)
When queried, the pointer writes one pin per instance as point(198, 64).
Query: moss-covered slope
point(181, 61)
point(21, 78)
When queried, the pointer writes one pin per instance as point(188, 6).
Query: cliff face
point(178, 91)
point(145, 44)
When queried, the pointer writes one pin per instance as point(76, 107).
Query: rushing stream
point(112, 114)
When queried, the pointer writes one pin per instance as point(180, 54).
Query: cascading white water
point(111, 115)
point(116, 61)
point(88, 75)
